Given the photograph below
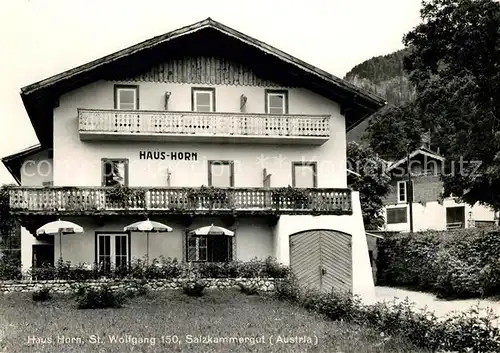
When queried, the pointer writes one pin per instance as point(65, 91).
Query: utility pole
point(409, 191)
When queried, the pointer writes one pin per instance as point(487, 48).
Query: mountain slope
point(383, 75)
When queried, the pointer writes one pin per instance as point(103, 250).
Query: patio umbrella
point(147, 226)
point(212, 230)
point(59, 227)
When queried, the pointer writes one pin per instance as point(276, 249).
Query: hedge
point(163, 268)
point(455, 264)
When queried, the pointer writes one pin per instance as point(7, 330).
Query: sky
point(41, 38)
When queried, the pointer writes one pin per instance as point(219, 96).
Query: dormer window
point(276, 102)
point(126, 97)
point(203, 99)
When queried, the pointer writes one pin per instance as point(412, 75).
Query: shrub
point(464, 332)
point(334, 305)
point(137, 289)
point(273, 269)
point(252, 268)
point(10, 266)
point(402, 318)
point(287, 289)
point(194, 287)
point(45, 272)
point(469, 332)
point(162, 268)
point(41, 295)
point(248, 290)
point(452, 264)
point(98, 298)
point(213, 270)
point(170, 268)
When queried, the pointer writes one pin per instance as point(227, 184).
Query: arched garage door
point(322, 259)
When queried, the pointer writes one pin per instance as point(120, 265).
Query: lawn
point(172, 322)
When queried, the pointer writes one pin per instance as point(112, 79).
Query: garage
point(322, 259)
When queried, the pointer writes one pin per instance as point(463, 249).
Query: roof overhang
point(374, 235)
point(353, 172)
point(204, 37)
point(14, 162)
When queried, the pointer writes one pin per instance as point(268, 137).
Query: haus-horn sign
point(169, 155)
point(113, 111)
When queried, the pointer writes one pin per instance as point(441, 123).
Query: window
point(112, 250)
point(304, 174)
point(210, 248)
point(203, 99)
point(126, 97)
point(396, 215)
point(403, 191)
point(221, 173)
point(276, 102)
point(114, 172)
point(42, 254)
point(455, 217)
point(484, 224)
point(197, 248)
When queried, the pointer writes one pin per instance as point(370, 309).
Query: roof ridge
point(208, 22)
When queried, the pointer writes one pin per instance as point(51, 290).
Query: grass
point(227, 313)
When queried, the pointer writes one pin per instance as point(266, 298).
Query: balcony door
point(112, 250)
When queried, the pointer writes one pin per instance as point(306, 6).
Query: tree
point(394, 131)
point(371, 180)
point(8, 223)
point(454, 63)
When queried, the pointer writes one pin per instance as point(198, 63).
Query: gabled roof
point(40, 98)
point(423, 151)
point(14, 161)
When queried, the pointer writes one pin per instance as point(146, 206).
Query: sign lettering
point(173, 156)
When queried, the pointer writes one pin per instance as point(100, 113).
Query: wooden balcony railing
point(88, 200)
point(105, 124)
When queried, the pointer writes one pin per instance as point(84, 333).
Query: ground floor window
point(42, 255)
point(484, 224)
point(455, 217)
point(396, 215)
point(209, 248)
point(112, 250)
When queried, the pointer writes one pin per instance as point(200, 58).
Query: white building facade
point(430, 210)
point(203, 125)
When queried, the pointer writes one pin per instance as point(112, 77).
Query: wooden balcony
point(100, 201)
point(141, 125)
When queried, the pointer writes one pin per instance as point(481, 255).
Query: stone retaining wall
point(65, 286)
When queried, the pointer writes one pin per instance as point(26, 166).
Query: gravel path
point(440, 307)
